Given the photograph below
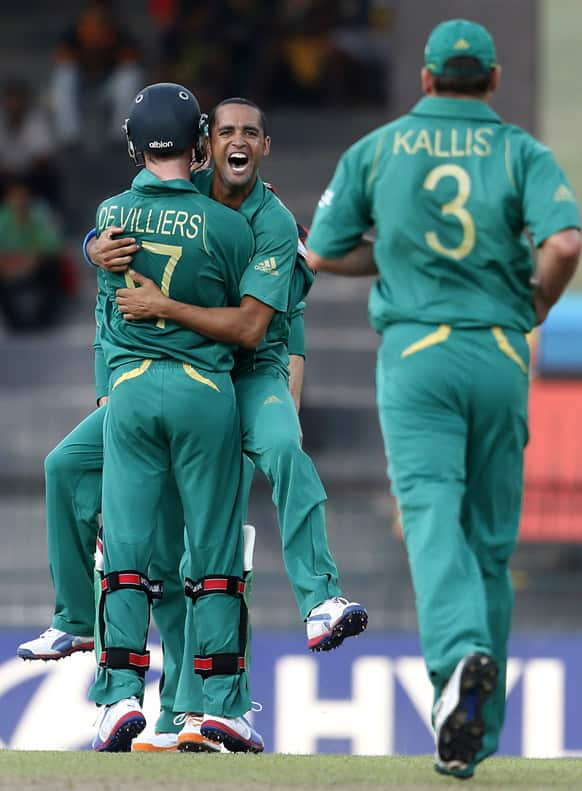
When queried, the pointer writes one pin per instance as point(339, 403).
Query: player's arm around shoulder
point(112, 250)
point(235, 247)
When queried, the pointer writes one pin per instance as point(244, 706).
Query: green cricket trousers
point(271, 439)
point(73, 478)
point(73, 503)
point(165, 418)
point(453, 411)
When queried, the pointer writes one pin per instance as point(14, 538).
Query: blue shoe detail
point(353, 622)
point(458, 714)
point(237, 734)
point(54, 644)
point(121, 737)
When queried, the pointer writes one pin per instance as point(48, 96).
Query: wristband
point(91, 235)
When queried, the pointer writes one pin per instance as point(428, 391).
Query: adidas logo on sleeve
point(269, 267)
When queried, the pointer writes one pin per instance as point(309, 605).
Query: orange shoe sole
point(147, 747)
point(196, 743)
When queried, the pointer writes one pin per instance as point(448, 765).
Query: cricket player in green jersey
point(172, 412)
point(269, 421)
point(312, 568)
point(450, 189)
point(271, 433)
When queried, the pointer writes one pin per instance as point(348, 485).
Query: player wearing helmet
point(172, 411)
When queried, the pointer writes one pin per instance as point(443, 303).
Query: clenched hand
point(112, 252)
point(145, 302)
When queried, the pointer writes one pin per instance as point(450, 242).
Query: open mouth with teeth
point(238, 161)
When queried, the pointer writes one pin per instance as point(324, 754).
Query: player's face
point(238, 144)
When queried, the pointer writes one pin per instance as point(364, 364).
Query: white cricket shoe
point(235, 733)
point(190, 740)
point(457, 714)
point(331, 622)
point(155, 743)
point(118, 724)
point(54, 644)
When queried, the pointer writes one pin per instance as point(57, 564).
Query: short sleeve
point(343, 213)
point(296, 343)
point(102, 371)
point(549, 202)
point(269, 272)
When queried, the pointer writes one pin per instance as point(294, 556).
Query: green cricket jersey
point(102, 372)
point(450, 189)
point(296, 342)
point(272, 275)
point(195, 249)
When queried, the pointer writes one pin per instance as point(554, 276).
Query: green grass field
point(68, 771)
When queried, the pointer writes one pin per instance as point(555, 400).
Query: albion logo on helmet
point(161, 144)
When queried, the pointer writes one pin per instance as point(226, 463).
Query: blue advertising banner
point(370, 697)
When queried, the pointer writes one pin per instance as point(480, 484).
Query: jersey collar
point(253, 202)
point(147, 182)
point(447, 107)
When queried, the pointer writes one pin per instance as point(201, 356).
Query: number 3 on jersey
point(174, 253)
point(456, 208)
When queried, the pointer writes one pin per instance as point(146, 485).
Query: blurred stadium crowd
point(302, 52)
point(61, 149)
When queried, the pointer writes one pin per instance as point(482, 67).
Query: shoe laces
point(340, 600)
point(99, 715)
point(50, 631)
point(256, 706)
point(333, 600)
point(182, 719)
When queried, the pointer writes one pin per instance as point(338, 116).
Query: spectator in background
point(305, 50)
point(220, 48)
point(360, 46)
point(27, 142)
point(32, 273)
point(96, 58)
point(329, 52)
point(165, 18)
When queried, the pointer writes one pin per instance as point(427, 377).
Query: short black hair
point(237, 100)
point(466, 77)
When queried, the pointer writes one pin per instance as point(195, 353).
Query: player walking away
point(172, 412)
point(451, 188)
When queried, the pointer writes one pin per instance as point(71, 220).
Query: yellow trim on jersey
point(193, 374)
point(438, 336)
point(204, 244)
point(506, 347)
point(376, 162)
point(129, 283)
point(133, 373)
point(508, 167)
